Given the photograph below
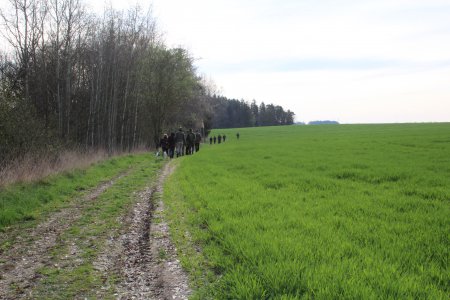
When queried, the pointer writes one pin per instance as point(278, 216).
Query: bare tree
point(23, 31)
point(106, 82)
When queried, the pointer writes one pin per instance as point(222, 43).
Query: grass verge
point(29, 201)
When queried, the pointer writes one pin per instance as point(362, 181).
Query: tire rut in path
point(148, 263)
point(19, 264)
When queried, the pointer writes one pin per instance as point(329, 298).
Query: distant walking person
point(180, 140)
point(164, 144)
point(198, 139)
point(210, 140)
point(237, 135)
point(214, 138)
point(219, 139)
point(224, 137)
point(190, 141)
point(171, 144)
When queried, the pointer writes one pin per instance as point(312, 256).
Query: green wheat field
point(329, 211)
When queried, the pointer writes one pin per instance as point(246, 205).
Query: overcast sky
point(358, 61)
point(351, 61)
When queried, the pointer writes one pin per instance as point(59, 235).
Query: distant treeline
point(232, 113)
point(77, 80)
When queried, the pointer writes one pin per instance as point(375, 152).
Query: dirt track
point(148, 260)
point(142, 256)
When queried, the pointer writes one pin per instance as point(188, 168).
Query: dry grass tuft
point(32, 168)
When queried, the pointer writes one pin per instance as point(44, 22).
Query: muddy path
point(141, 256)
point(148, 263)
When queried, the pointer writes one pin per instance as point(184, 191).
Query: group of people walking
point(180, 143)
point(218, 139)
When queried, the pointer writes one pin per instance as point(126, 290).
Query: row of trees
point(231, 113)
point(78, 79)
point(75, 79)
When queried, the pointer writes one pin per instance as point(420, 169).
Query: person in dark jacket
point(164, 144)
point(198, 139)
point(219, 139)
point(210, 140)
point(190, 142)
point(214, 138)
point(224, 137)
point(171, 144)
point(180, 140)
